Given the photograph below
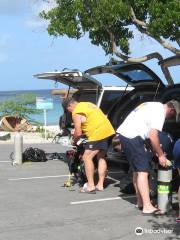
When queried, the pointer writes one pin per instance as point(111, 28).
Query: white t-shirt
point(147, 116)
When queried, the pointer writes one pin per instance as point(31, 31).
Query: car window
point(86, 96)
point(109, 98)
point(136, 75)
point(131, 73)
point(109, 79)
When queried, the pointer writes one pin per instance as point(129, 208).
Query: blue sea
point(52, 115)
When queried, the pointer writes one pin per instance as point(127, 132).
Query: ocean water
point(52, 115)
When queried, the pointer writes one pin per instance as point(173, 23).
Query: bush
point(22, 105)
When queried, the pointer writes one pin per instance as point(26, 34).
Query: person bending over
point(89, 120)
point(144, 122)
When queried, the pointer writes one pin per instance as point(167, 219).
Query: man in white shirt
point(144, 122)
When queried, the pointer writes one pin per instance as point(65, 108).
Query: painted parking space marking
point(100, 200)
point(113, 179)
point(5, 161)
point(95, 200)
point(41, 177)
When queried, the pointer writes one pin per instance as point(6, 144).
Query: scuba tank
point(18, 149)
point(164, 190)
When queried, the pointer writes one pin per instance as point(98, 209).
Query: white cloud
point(29, 8)
point(40, 5)
point(37, 6)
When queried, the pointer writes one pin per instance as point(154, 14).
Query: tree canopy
point(22, 105)
point(108, 22)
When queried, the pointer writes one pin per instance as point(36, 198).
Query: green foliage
point(165, 19)
point(75, 18)
point(99, 18)
point(22, 105)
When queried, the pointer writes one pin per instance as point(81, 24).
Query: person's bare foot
point(149, 210)
point(156, 211)
point(87, 189)
point(99, 188)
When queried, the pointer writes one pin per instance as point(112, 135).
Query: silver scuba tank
point(18, 149)
point(164, 190)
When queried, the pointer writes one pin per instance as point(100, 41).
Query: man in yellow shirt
point(89, 120)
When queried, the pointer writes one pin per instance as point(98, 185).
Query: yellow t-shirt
point(96, 126)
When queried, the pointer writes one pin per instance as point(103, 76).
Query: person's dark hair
point(67, 101)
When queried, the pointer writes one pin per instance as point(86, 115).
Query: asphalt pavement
point(35, 205)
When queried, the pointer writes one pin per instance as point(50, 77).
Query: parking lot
point(35, 205)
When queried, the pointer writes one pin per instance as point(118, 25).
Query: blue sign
point(44, 103)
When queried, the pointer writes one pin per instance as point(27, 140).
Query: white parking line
point(113, 179)
point(96, 200)
point(5, 161)
point(101, 200)
point(41, 177)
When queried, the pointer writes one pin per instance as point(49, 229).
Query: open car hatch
point(133, 74)
point(75, 79)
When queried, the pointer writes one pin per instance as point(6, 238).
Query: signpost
point(44, 104)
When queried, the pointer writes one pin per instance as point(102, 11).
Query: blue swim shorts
point(138, 155)
point(98, 145)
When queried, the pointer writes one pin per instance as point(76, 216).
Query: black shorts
point(98, 145)
point(137, 154)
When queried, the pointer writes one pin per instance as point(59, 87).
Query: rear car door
point(133, 74)
point(72, 78)
point(146, 85)
point(172, 93)
point(88, 88)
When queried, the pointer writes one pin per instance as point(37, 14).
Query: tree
point(108, 22)
point(19, 106)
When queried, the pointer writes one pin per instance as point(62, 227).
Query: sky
point(27, 49)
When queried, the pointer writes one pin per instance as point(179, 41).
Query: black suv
point(140, 84)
